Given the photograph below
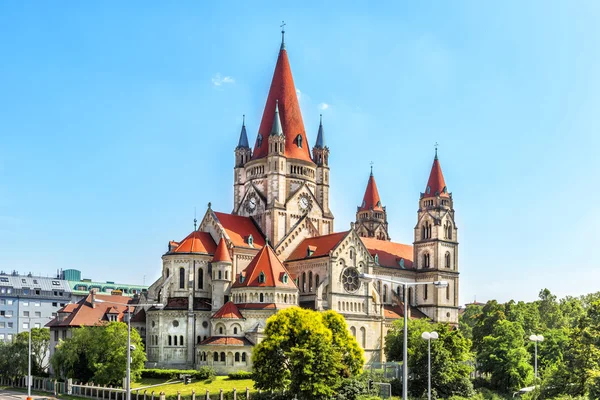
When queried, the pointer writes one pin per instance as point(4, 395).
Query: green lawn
point(221, 382)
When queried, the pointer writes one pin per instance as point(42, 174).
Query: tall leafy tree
point(13, 360)
point(306, 353)
point(99, 354)
point(503, 355)
point(449, 358)
point(468, 319)
point(40, 344)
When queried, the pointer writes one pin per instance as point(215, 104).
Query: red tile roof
point(436, 184)
point(83, 314)
point(222, 254)
point(181, 303)
point(397, 312)
point(226, 341)
point(238, 229)
point(229, 311)
point(283, 90)
point(371, 199)
point(195, 242)
point(319, 245)
point(256, 306)
point(390, 253)
point(266, 263)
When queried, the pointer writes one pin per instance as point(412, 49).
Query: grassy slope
point(221, 382)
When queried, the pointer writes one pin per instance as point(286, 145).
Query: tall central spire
point(283, 90)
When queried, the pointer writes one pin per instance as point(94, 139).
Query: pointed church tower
point(371, 216)
point(436, 249)
point(321, 158)
point(221, 275)
point(243, 153)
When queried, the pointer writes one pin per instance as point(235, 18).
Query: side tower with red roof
point(435, 250)
point(371, 215)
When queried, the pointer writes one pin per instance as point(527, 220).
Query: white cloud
point(219, 80)
point(323, 106)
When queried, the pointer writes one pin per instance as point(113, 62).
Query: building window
point(56, 336)
point(181, 278)
point(26, 313)
point(2, 324)
point(316, 281)
point(25, 304)
point(25, 325)
point(426, 292)
point(54, 304)
point(200, 278)
point(220, 330)
point(38, 314)
point(215, 357)
point(235, 330)
point(222, 356)
point(310, 281)
point(250, 240)
point(447, 259)
point(169, 340)
point(448, 292)
point(304, 282)
point(243, 357)
point(426, 260)
point(237, 357)
point(262, 298)
point(37, 325)
point(426, 230)
point(181, 340)
point(299, 140)
point(384, 294)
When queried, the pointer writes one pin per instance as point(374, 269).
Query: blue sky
point(116, 120)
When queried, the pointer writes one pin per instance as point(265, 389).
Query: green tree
point(468, 319)
point(490, 315)
point(40, 343)
point(13, 360)
point(503, 355)
point(305, 353)
point(449, 358)
point(99, 354)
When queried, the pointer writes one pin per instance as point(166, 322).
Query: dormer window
point(299, 141)
point(261, 277)
point(259, 140)
point(401, 263)
point(241, 278)
point(379, 204)
point(376, 259)
point(428, 189)
point(309, 251)
point(250, 240)
point(445, 190)
point(285, 278)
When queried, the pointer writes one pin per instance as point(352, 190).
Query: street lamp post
point(535, 339)
point(405, 285)
point(429, 336)
point(128, 373)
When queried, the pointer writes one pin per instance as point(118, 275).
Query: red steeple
point(283, 90)
point(221, 253)
point(436, 184)
point(371, 199)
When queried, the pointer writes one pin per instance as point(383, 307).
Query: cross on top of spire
point(282, 26)
point(436, 147)
point(372, 168)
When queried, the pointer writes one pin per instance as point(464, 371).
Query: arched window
point(222, 356)
point(299, 140)
point(447, 259)
point(181, 278)
point(169, 340)
point(353, 331)
point(310, 281)
point(385, 293)
point(262, 298)
point(363, 337)
point(352, 254)
point(175, 340)
point(243, 357)
point(317, 281)
point(425, 291)
point(168, 271)
point(181, 340)
point(426, 260)
point(215, 356)
point(235, 330)
point(303, 282)
point(220, 274)
point(227, 275)
point(379, 286)
point(200, 278)
point(261, 277)
point(237, 357)
point(448, 292)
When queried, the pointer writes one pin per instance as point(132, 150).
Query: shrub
point(238, 375)
point(203, 373)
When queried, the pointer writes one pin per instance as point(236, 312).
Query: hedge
point(201, 373)
point(238, 375)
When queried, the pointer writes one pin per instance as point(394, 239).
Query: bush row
point(201, 373)
point(240, 375)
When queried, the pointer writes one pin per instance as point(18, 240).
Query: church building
point(279, 248)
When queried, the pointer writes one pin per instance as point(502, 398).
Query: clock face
point(304, 203)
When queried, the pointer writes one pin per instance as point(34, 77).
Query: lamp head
point(536, 338)
point(366, 277)
point(426, 335)
point(440, 284)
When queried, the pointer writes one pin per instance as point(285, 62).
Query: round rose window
point(350, 279)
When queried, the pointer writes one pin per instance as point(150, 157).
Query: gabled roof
point(320, 246)
point(83, 314)
point(283, 90)
point(371, 199)
point(267, 264)
point(195, 242)
point(221, 253)
point(228, 311)
point(238, 229)
point(390, 253)
point(226, 341)
point(436, 186)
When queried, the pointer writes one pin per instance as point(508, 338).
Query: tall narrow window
point(447, 259)
point(448, 292)
point(222, 356)
point(426, 292)
point(181, 340)
point(379, 286)
point(303, 282)
point(181, 278)
point(200, 278)
point(262, 298)
point(385, 293)
point(316, 281)
point(175, 340)
point(243, 357)
point(310, 281)
point(220, 274)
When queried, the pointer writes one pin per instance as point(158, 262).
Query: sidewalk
point(11, 395)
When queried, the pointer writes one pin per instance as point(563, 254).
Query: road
point(10, 395)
